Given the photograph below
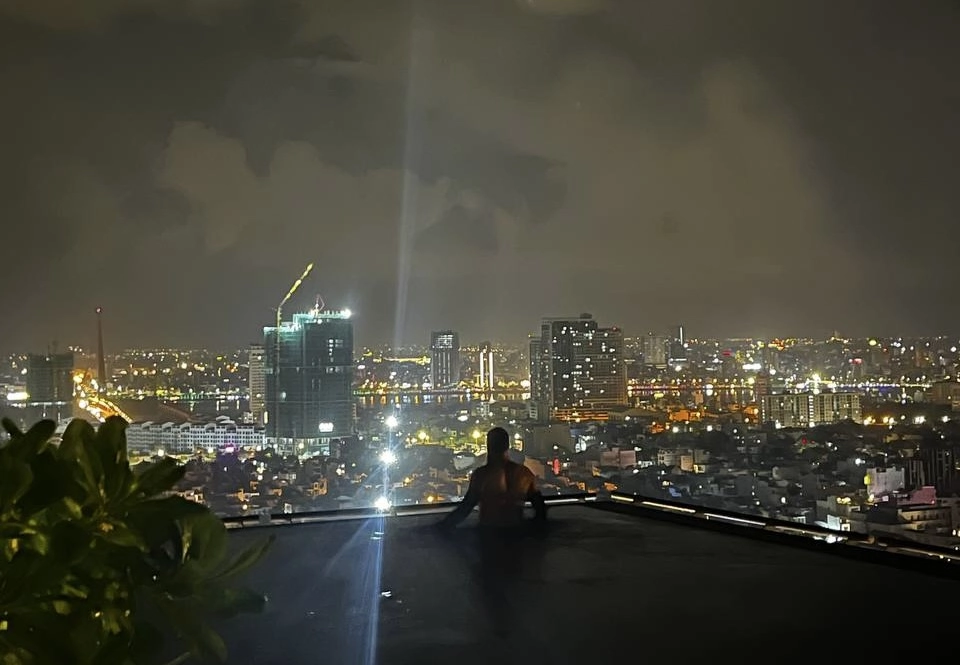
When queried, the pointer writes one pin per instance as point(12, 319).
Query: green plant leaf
point(51, 479)
point(208, 644)
point(204, 642)
point(71, 508)
point(69, 542)
point(85, 542)
point(78, 447)
point(111, 443)
point(121, 535)
point(203, 540)
point(157, 519)
point(39, 637)
point(119, 484)
point(245, 560)
point(147, 641)
point(11, 428)
point(16, 478)
point(32, 441)
point(74, 436)
point(159, 477)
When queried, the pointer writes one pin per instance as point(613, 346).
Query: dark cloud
point(748, 167)
point(460, 226)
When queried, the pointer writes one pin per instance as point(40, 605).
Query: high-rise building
point(833, 407)
point(609, 371)
point(50, 378)
point(309, 381)
point(809, 408)
point(761, 389)
point(678, 349)
point(487, 379)
point(535, 362)
point(583, 374)
point(654, 348)
point(257, 383)
point(102, 379)
point(539, 380)
point(444, 358)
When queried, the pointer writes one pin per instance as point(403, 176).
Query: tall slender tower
point(101, 361)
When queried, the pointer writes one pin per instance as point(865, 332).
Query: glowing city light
point(388, 457)
point(392, 421)
point(382, 504)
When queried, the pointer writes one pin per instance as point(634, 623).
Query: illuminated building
point(538, 378)
point(583, 374)
point(487, 379)
point(224, 435)
point(762, 386)
point(945, 392)
point(834, 407)
point(444, 358)
point(809, 409)
point(654, 349)
point(678, 349)
point(880, 482)
point(50, 379)
point(257, 383)
point(309, 381)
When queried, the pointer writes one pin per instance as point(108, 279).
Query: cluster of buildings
point(302, 376)
point(150, 438)
point(577, 369)
point(735, 424)
point(40, 385)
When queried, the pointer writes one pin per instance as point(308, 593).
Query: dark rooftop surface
point(600, 587)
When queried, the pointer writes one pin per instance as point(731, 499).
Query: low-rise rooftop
point(599, 586)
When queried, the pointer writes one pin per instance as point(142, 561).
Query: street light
point(388, 457)
point(392, 422)
point(382, 504)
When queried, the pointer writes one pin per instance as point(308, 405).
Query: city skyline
point(648, 162)
point(468, 340)
point(294, 278)
point(89, 340)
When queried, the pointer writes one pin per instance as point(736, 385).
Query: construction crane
point(276, 343)
point(293, 289)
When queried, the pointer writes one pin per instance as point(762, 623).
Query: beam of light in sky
point(413, 148)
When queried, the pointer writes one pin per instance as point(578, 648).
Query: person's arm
point(536, 499)
point(470, 501)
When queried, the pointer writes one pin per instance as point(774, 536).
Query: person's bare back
point(501, 487)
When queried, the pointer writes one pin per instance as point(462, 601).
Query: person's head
point(498, 443)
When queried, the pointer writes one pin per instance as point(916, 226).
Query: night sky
point(747, 168)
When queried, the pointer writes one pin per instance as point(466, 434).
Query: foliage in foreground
point(98, 561)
